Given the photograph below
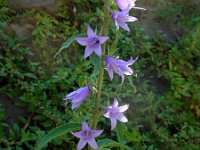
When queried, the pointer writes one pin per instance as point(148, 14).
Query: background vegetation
point(164, 97)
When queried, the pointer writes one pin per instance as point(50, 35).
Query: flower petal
point(115, 103)
point(81, 95)
point(82, 41)
point(122, 4)
point(70, 95)
point(90, 32)
point(107, 112)
point(126, 11)
point(88, 51)
point(128, 71)
point(131, 19)
point(92, 143)
point(123, 108)
point(122, 79)
point(76, 105)
point(81, 144)
point(124, 26)
point(113, 123)
point(77, 134)
point(110, 73)
point(98, 50)
point(85, 126)
point(96, 133)
point(102, 39)
point(122, 118)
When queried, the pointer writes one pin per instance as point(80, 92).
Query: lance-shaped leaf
point(63, 129)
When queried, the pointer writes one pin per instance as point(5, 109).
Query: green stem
point(118, 137)
point(100, 78)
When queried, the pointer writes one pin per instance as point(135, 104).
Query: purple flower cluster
point(78, 96)
point(87, 135)
point(121, 17)
point(114, 113)
point(92, 44)
point(121, 67)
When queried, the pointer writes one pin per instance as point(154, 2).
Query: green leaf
point(63, 129)
point(105, 143)
point(68, 43)
point(96, 61)
point(113, 47)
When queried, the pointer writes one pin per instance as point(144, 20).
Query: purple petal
point(124, 26)
point(90, 32)
point(113, 123)
point(122, 118)
point(131, 19)
point(85, 126)
point(92, 143)
point(98, 50)
point(122, 4)
point(96, 133)
point(131, 61)
point(107, 112)
point(70, 95)
point(128, 71)
point(76, 105)
point(82, 94)
point(115, 103)
point(102, 39)
point(81, 144)
point(126, 11)
point(88, 51)
point(110, 73)
point(82, 41)
point(123, 108)
point(77, 134)
point(122, 79)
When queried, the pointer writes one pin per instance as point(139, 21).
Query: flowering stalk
point(101, 74)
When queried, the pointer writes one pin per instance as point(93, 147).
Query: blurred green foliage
point(164, 95)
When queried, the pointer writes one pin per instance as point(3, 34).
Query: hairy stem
point(100, 78)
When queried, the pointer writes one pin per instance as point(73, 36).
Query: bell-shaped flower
point(121, 17)
point(123, 4)
point(87, 135)
point(121, 67)
point(115, 113)
point(92, 42)
point(78, 96)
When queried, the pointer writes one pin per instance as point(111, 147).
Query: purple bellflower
point(121, 17)
point(121, 67)
point(87, 135)
point(92, 42)
point(123, 4)
point(78, 96)
point(114, 113)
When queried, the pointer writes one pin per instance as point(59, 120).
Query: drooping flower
point(121, 67)
point(115, 113)
point(87, 135)
point(123, 4)
point(92, 42)
point(78, 96)
point(121, 17)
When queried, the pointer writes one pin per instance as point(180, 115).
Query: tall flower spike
point(114, 113)
point(121, 67)
point(121, 17)
point(87, 135)
point(123, 4)
point(78, 96)
point(92, 42)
